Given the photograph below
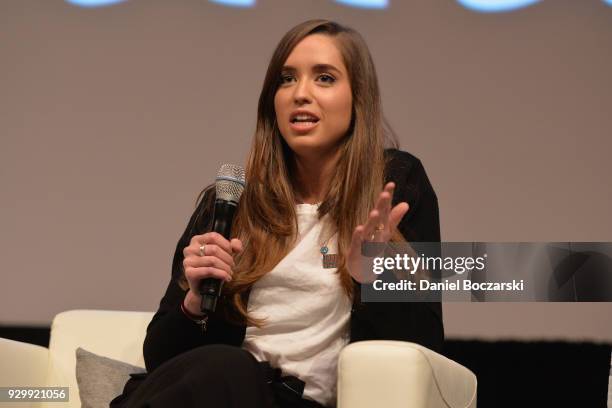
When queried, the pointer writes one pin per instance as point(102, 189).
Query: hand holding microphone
point(209, 256)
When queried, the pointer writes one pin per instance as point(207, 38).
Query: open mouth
point(305, 118)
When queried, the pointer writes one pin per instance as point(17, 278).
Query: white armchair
point(392, 374)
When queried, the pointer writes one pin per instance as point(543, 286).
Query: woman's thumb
point(236, 245)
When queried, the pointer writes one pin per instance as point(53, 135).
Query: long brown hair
point(266, 220)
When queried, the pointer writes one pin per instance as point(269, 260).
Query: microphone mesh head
point(230, 182)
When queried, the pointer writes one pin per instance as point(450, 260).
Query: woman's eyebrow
point(315, 68)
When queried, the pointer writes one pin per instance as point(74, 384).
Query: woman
point(315, 191)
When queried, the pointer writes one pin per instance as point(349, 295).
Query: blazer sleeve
point(419, 322)
point(170, 332)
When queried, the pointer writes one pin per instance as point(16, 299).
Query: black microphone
point(229, 186)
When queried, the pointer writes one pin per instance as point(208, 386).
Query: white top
point(307, 311)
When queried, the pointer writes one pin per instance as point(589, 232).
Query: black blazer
point(171, 333)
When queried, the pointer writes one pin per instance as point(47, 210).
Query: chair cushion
point(101, 379)
point(114, 334)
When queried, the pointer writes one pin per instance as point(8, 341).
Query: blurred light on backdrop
point(496, 6)
point(374, 4)
point(94, 3)
point(235, 3)
point(484, 6)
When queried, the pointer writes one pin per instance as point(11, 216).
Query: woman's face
point(314, 102)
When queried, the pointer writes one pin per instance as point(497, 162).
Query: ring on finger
point(379, 228)
point(202, 249)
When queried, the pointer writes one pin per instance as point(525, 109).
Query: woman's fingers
point(212, 250)
point(397, 213)
point(207, 261)
point(384, 219)
point(369, 229)
point(383, 205)
point(371, 224)
point(358, 237)
point(236, 245)
point(195, 275)
point(211, 238)
point(213, 244)
point(210, 255)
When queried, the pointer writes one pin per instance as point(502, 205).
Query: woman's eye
point(327, 78)
point(286, 78)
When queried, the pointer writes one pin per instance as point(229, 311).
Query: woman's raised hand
point(207, 256)
point(381, 221)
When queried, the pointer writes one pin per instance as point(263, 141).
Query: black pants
point(214, 376)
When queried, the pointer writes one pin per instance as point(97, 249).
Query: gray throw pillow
point(101, 378)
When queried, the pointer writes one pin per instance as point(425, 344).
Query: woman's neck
point(313, 175)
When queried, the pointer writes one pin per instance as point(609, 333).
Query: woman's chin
point(311, 148)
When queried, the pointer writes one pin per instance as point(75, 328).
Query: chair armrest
point(23, 364)
point(398, 374)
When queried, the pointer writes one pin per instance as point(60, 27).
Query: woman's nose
point(301, 92)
